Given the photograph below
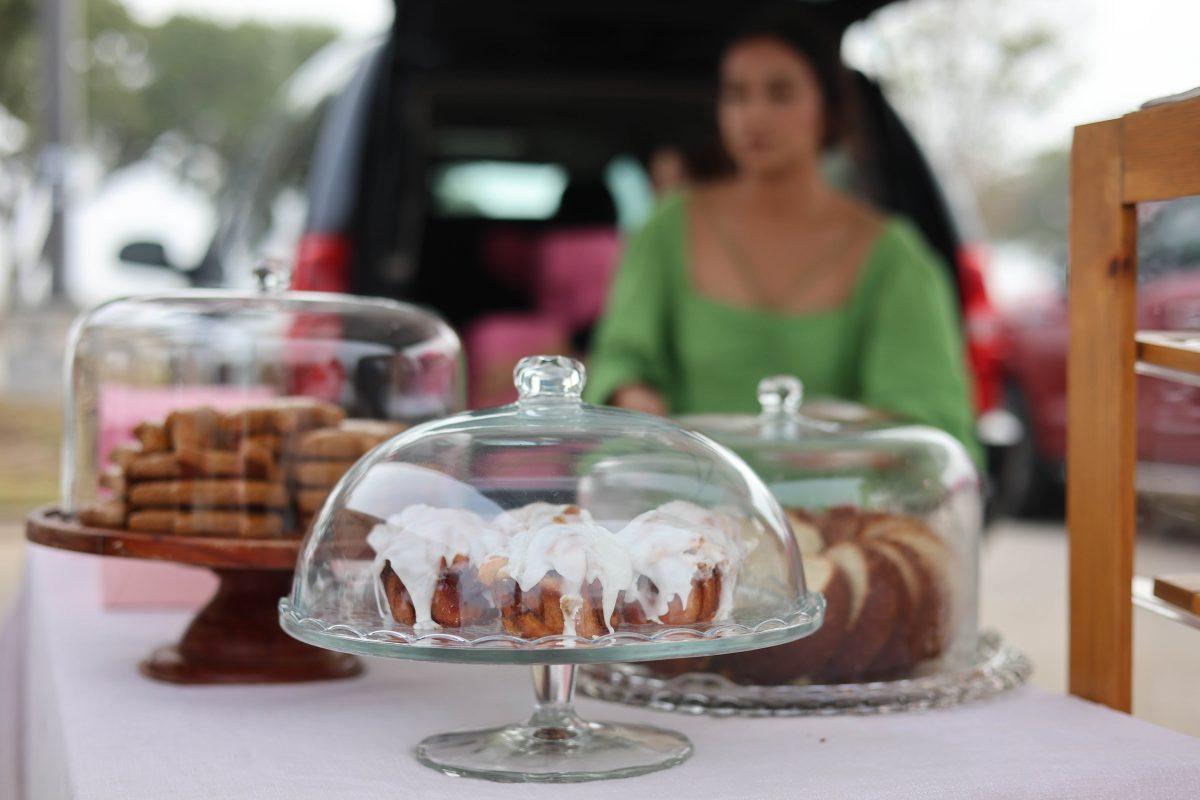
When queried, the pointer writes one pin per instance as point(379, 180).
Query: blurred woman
point(773, 270)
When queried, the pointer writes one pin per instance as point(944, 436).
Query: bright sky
point(357, 17)
point(1126, 51)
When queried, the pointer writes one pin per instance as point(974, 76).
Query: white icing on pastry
point(535, 515)
point(415, 542)
point(671, 551)
point(580, 552)
point(727, 523)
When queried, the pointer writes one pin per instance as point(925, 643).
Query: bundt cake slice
point(874, 585)
point(803, 657)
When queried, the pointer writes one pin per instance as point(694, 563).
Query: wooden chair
point(1151, 154)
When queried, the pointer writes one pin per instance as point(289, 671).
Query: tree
point(206, 82)
point(19, 46)
point(966, 74)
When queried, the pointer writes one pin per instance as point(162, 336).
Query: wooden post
point(1101, 444)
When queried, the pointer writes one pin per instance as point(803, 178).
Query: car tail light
point(984, 332)
point(322, 263)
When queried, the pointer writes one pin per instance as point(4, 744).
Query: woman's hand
point(637, 397)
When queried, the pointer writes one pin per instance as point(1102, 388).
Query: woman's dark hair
point(808, 35)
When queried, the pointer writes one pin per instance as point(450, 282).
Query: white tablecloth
point(91, 727)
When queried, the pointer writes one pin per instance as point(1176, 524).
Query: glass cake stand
point(995, 667)
point(447, 506)
point(555, 744)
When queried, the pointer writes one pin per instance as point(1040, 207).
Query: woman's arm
point(630, 359)
point(913, 363)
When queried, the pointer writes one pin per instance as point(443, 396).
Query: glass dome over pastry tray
point(887, 516)
point(207, 427)
point(494, 537)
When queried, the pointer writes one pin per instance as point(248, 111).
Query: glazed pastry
point(562, 577)
point(426, 566)
point(725, 522)
point(685, 570)
point(535, 515)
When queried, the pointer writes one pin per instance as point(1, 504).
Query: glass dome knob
point(780, 394)
point(541, 379)
point(272, 275)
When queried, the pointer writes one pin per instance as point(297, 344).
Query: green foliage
point(18, 58)
point(208, 82)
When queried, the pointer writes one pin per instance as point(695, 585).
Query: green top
point(894, 345)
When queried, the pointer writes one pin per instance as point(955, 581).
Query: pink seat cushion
point(575, 268)
point(509, 256)
point(494, 344)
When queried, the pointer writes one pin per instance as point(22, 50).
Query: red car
point(1031, 474)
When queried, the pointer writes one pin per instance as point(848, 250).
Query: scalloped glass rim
point(502, 648)
point(996, 667)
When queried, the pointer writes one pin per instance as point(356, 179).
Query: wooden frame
point(1152, 154)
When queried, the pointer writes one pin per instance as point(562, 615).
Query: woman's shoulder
point(902, 263)
point(898, 235)
point(901, 248)
point(668, 212)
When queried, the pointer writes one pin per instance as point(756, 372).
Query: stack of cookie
point(319, 458)
point(244, 473)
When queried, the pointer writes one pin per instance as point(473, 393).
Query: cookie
point(285, 416)
point(123, 454)
point(198, 428)
point(112, 477)
point(348, 531)
point(270, 442)
point(152, 436)
point(154, 466)
point(378, 429)
point(309, 501)
point(208, 523)
point(212, 493)
point(331, 444)
point(319, 474)
point(249, 461)
point(103, 514)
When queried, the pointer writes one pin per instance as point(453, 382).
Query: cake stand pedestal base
point(555, 745)
point(236, 638)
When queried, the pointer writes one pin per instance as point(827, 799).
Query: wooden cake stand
point(236, 638)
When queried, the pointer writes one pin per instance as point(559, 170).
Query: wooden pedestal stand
point(236, 638)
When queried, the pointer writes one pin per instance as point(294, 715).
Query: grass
point(29, 440)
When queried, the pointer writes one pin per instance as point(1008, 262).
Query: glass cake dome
point(499, 536)
point(887, 515)
point(233, 413)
